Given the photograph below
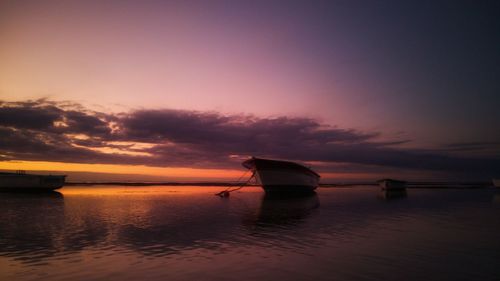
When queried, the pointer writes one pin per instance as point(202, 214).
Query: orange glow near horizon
point(176, 172)
point(167, 172)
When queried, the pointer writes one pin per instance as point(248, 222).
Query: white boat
point(496, 182)
point(390, 184)
point(21, 182)
point(276, 176)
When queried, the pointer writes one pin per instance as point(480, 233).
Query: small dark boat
point(22, 182)
point(284, 177)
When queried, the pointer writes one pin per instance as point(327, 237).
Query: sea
point(187, 233)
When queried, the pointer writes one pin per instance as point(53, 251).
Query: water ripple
point(158, 233)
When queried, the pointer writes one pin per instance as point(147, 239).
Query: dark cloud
point(27, 116)
point(84, 123)
point(49, 131)
point(473, 146)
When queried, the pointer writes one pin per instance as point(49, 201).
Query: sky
point(188, 89)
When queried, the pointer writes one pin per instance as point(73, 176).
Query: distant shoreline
point(463, 185)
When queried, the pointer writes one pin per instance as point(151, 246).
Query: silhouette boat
point(282, 177)
point(391, 184)
point(22, 182)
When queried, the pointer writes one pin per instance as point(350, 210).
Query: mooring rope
point(225, 193)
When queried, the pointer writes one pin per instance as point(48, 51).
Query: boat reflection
point(29, 223)
point(496, 198)
point(31, 195)
point(285, 210)
point(392, 194)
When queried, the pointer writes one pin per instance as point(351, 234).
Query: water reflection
point(37, 226)
point(278, 211)
point(7, 196)
point(496, 198)
point(392, 194)
point(167, 228)
point(149, 230)
point(29, 222)
point(212, 224)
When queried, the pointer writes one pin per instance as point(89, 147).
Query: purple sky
point(343, 83)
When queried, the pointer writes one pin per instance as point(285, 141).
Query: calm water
point(186, 233)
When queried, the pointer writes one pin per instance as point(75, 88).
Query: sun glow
point(114, 150)
point(174, 172)
point(77, 136)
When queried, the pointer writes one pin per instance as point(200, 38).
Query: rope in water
point(225, 193)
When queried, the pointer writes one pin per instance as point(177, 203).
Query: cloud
point(28, 115)
point(51, 131)
point(473, 146)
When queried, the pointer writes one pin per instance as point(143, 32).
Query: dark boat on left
point(22, 182)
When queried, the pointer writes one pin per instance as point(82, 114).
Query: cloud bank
point(68, 132)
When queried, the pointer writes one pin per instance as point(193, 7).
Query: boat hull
point(283, 177)
point(30, 183)
point(286, 181)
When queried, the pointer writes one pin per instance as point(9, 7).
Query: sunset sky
point(186, 90)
